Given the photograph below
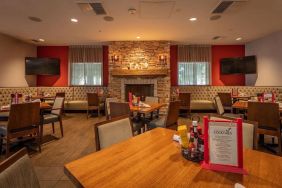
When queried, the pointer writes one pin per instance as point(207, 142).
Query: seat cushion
point(50, 118)
point(4, 116)
point(202, 105)
point(19, 174)
point(76, 105)
point(160, 122)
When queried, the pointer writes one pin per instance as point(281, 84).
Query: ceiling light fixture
point(138, 37)
point(193, 19)
point(74, 20)
point(239, 38)
point(41, 40)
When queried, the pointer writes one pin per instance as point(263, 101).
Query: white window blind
point(86, 74)
point(193, 73)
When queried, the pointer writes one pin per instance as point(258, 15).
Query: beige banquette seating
point(202, 97)
point(75, 97)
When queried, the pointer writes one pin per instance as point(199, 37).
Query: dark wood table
point(152, 159)
point(244, 105)
point(43, 106)
point(144, 110)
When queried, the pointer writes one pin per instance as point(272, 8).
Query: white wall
point(12, 62)
point(269, 60)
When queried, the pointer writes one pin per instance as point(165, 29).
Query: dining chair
point(185, 103)
point(93, 103)
point(107, 101)
point(118, 109)
point(220, 109)
point(168, 120)
point(17, 171)
point(226, 100)
point(268, 117)
point(55, 115)
point(112, 131)
point(249, 130)
point(24, 121)
point(152, 100)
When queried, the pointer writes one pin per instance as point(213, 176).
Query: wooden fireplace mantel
point(143, 72)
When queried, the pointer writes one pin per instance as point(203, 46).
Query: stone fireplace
point(139, 52)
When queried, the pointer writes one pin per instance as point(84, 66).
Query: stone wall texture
point(139, 52)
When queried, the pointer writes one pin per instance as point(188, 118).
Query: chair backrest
point(266, 114)
point(61, 94)
point(150, 100)
point(218, 105)
point(92, 99)
point(119, 109)
point(248, 129)
point(107, 101)
point(112, 131)
point(185, 100)
point(23, 115)
point(17, 171)
point(58, 106)
point(172, 113)
point(226, 99)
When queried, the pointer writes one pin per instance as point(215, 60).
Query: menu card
point(222, 137)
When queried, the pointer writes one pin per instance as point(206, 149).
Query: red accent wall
point(173, 65)
point(60, 52)
point(225, 51)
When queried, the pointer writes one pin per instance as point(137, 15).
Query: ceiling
point(162, 20)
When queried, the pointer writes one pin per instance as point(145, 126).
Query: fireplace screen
point(139, 90)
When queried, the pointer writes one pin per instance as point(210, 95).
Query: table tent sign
point(223, 147)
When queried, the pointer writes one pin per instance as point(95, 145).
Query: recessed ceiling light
point(193, 19)
point(74, 20)
point(239, 38)
point(41, 40)
point(108, 18)
point(35, 19)
point(138, 37)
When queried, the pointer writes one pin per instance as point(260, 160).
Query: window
point(193, 73)
point(86, 74)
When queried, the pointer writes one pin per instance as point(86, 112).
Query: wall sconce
point(162, 59)
point(115, 58)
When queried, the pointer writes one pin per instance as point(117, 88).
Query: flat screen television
point(42, 66)
point(240, 65)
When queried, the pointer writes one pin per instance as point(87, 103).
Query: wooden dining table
point(243, 105)
point(43, 106)
point(144, 110)
point(153, 159)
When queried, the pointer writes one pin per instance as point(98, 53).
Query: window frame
point(210, 74)
point(71, 74)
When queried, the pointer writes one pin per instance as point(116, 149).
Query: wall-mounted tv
point(240, 65)
point(42, 66)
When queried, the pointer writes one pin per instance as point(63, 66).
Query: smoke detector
point(132, 10)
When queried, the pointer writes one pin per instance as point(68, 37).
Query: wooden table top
point(144, 110)
point(43, 106)
point(43, 97)
point(244, 105)
point(152, 159)
point(240, 97)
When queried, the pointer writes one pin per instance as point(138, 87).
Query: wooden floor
point(77, 142)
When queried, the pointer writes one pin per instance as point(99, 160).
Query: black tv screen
point(240, 65)
point(42, 66)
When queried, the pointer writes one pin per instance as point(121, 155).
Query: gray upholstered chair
point(113, 131)
point(150, 100)
point(249, 131)
point(108, 110)
point(55, 115)
point(17, 172)
point(221, 111)
point(170, 119)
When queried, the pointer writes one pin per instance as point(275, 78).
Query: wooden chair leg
point(61, 127)
point(87, 113)
point(38, 140)
point(279, 145)
point(98, 112)
point(41, 133)
point(53, 128)
point(7, 147)
point(1, 144)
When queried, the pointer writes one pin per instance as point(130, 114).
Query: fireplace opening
point(139, 90)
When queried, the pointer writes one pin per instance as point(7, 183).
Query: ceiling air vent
point(98, 8)
point(91, 5)
point(222, 6)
